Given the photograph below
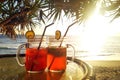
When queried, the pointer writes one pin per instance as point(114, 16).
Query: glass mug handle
point(18, 53)
point(73, 56)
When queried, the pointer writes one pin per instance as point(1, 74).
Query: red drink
point(56, 58)
point(36, 60)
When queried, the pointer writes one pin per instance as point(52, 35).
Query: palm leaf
point(23, 13)
point(81, 9)
point(116, 14)
point(113, 8)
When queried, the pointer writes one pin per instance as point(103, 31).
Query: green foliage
point(80, 9)
point(16, 15)
point(112, 7)
point(22, 13)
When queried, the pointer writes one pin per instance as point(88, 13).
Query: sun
point(95, 33)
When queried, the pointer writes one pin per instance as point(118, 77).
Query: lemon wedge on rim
point(57, 34)
point(30, 34)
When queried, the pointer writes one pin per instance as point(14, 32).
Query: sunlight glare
point(95, 33)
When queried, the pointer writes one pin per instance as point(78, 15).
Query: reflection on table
point(43, 76)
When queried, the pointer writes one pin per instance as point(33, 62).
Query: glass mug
point(57, 58)
point(35, 59)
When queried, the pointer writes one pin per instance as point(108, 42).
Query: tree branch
point(13, 16)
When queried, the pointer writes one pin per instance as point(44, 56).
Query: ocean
point(9, 46)
point(110, 50)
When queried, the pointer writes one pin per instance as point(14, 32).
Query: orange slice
point(30, 34)
point(57, 34)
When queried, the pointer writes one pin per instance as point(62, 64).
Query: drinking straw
point(41, 42)
point(44, 34)
point(66, 32)
point(61, 42)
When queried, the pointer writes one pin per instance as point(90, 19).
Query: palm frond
point(81, 9)
point(116, 15)
point(19, 13)
point(112, 7)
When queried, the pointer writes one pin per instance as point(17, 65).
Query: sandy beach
point(104, 63)
point(103, 70)
point(106, 69)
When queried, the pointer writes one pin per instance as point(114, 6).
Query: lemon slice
point(57, 34)
point(30, 34)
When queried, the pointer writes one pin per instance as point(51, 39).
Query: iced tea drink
point(56, 59)
point(36, 60)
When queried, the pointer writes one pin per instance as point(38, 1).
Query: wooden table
point(77, 70)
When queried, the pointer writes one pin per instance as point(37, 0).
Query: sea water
point(109, 51)
point(9, 46)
